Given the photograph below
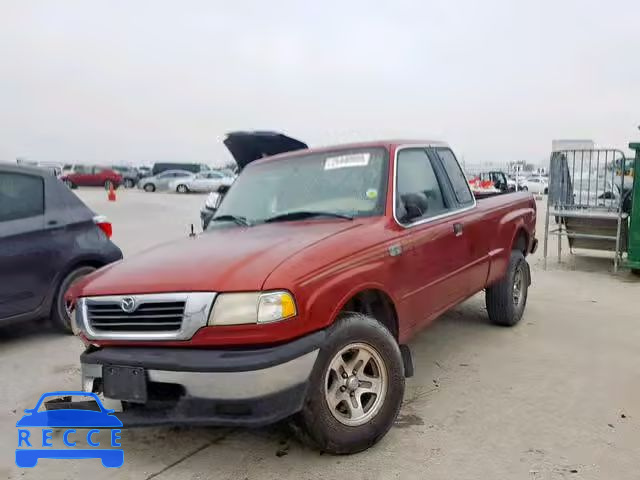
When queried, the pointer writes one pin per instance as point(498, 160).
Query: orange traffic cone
point(112, 193)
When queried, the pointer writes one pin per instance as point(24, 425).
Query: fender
point(509, 227)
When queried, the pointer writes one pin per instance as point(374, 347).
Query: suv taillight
point(104, 225)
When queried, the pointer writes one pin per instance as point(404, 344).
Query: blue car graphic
point(69, 418)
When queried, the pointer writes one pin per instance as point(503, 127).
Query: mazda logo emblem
point(128, 304)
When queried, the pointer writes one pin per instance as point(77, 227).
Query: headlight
point(251, 308)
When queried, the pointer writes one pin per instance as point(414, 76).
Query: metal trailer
point(586, 201)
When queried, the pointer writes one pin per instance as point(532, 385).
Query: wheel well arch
point(377, 304)
point(84, 262)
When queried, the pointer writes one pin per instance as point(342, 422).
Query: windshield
point(348, 182)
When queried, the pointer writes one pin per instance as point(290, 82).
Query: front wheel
point(506, 299)
point(182, 189)
point(356, 387)
point(149, 187)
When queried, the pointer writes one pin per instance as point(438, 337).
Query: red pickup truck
point(301, 296)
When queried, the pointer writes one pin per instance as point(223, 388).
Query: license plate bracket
point(125, 383)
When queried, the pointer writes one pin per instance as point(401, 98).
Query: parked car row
point(498, 180)
point(181, 178)
point(183, 181)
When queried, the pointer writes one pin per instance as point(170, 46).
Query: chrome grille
point(149, 316)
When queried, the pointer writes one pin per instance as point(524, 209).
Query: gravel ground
point(556, 397)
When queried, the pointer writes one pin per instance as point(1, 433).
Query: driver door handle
point(457, 229)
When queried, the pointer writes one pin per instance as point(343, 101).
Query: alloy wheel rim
point(518, 287)
point(356, 384)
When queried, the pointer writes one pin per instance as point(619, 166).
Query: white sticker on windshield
point(344, 161)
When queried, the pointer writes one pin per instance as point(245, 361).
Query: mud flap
point(528, 271)
point(407, 360)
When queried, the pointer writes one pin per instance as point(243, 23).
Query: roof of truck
point(348, 146)
point(30, 169)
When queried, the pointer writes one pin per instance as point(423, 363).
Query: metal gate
point(587, 190)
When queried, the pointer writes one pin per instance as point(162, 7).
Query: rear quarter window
point(21, 196)
point(454, 172)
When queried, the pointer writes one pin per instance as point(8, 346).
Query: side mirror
point(213, 201)
point(210, 208)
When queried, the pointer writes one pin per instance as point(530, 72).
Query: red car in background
point(91, 176)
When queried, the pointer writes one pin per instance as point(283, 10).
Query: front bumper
point(249, 387)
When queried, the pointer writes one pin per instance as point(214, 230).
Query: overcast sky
point(143, 81)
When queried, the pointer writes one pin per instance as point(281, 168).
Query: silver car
point(202, 182)
point(162, 180)
point(596, 192)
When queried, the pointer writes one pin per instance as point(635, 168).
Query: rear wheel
point(356, 387)
point(507, 298)
point(182, 188)
point(149, 187)
point(61, 309)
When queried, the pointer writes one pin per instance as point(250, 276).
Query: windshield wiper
point(232, 218)
point(302, 214)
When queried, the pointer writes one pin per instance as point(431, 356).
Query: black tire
point(70, 184)
point(320, 427)
point(182, 188)
point(636, 271)
point(129, 183)
point(149, 187)
point(59, 314)
point(546, 191)
point(500, 297)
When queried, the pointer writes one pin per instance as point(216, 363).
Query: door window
point(454, 172)
point(418, 191)
point(21, 196)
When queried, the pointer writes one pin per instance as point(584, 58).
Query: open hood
point(249, 146)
